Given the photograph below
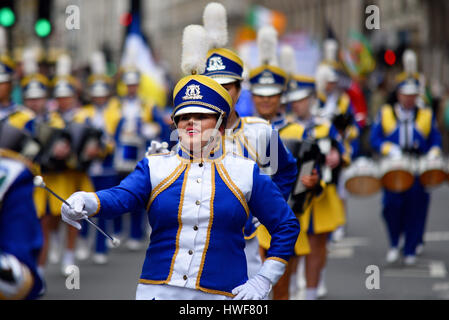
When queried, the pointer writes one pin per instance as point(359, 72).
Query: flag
point(259, 16)
point(136, 51)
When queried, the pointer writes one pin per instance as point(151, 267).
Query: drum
point(82, 136)
point(432, 172)
point(398, 174)
point(362, 178)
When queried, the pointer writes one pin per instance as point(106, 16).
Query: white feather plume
point(63, 65)
point(410, 61)
point(98, 63)
point(288, 59)
point(3, 41)
point(322, 75)
point(194, 50)
point(330, 48)
point(215, 23)
point(29, 61)
point(267, 41)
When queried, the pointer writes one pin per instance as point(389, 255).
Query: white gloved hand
point(433, 154)
point(157, 147)
point(82, 204)
point(256, 288)
point(15, 277)
point(395, 152)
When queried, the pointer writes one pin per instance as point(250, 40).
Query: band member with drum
point(43, 126)
point(196, 249)
point(63, 174)
point(102, 114)
point(268, 83)
point(244, 135)
point(406, 131)
point(325, 213)
point(335, 105)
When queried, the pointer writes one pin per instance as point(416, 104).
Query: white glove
point(395, 152)
point(256, 288)
point(157, 147)
point(15, 277)
point(434, 153)
point(82, 204)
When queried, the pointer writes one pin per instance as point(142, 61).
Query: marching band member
point(35, 88)
point(196, 249)
point(268, 81)
point(103, 114)
point(406, 129)
point(326, 212)
point(15, 114)
point(67, 178)
point(336, 106)
point(267, 85)
point(244, 135)
point(20, 231)
point(138, 125)
point(410, 64)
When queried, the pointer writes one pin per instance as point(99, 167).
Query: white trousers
point(166, 292)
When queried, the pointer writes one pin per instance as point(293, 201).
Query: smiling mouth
point(192, 132)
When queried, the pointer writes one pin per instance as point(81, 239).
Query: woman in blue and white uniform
point(198, 199)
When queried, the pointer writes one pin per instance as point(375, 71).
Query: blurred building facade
point(420, 24)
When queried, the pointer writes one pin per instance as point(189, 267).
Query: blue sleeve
point(377, 135)
point(20, 229)
point(434, 139)
point(132, 193)
point(268, 205)
point(287, 170)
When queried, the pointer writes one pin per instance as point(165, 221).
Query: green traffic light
point(42, 27)
point(7, 17)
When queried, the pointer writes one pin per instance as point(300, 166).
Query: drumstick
point(38, 181)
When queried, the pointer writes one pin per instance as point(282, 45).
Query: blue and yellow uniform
point(140, 123)
point(290, 134)
point(18, 116)
point(64, 182)
point(20, 230)
point(101, 170)
point(326, 212)
point(199, 242)
point(340, 111)
point(412, 132)
point(252, 138)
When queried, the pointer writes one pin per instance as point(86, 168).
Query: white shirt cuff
point(272, 270)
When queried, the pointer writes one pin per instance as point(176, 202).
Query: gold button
point(184, 277)
point(197, 202)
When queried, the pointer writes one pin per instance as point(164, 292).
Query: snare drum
point(362, 178)
point(432, 172)
point(398, 174)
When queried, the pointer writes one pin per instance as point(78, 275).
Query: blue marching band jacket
point(191, 207)
point(254, 138)
point(414, 132)
point(20, 229)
